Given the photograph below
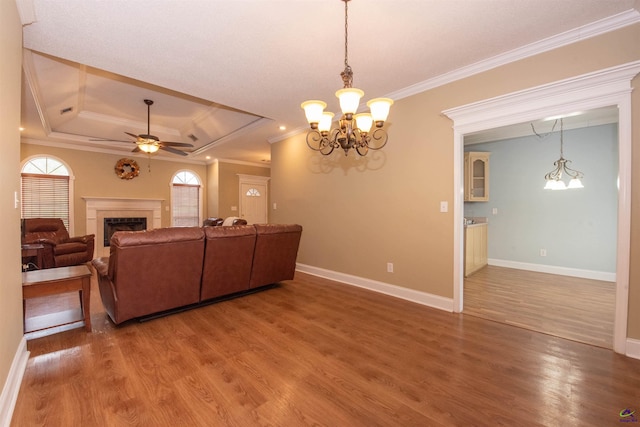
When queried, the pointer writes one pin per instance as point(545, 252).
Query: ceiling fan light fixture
point(149, 147)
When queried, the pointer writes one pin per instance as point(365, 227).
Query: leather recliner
point(60, 250)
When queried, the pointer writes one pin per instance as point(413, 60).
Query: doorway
point(609, 87)
point(552, 254)
point(254, 198)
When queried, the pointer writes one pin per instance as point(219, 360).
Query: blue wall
point(576, 227)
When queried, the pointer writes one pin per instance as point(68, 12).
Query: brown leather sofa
point(155, 271)
point(60, 250)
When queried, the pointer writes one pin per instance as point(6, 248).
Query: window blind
point(185, 205)
point(45, 196)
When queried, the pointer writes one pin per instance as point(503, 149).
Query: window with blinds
point(45, 189)
point(45, 196)
point(185, 200)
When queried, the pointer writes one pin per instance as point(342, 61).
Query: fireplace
point(99, 208)
point(111, 225)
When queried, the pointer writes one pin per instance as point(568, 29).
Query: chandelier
point(354, 130)
point(554, 178)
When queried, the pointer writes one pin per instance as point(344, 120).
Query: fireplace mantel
point(99, 207)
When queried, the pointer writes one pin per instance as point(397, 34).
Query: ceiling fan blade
point(173, 150)
point(136, 150)
point(174, 144)
point(112, 140)
point(130, 134)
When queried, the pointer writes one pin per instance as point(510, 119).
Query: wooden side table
point(32, 250)
point(59, 280)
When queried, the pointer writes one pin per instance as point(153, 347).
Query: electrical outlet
point(543, 252)
point(389, 267)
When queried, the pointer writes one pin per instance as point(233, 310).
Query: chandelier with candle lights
point(354, 130)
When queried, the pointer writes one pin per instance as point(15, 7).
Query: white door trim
point(611, 86)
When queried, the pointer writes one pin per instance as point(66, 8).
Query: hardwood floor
point(316, 352)
point(568, 307)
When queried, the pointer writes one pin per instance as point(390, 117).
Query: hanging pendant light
point(554, 178)
point(354, 130)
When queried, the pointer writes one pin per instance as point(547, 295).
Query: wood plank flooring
point(312, 352)
point(569, 307)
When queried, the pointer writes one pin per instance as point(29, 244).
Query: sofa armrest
point(82, 239)
point(49, 242)
point(101, 265)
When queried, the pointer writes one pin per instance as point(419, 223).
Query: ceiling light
point(283, 127)
point(149, 146)
point(554, 178)
point(353, 129)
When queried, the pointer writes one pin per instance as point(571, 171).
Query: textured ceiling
point(230, 73)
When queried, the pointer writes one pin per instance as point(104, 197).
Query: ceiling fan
point(150, 143)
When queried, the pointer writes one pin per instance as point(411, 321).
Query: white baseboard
point(633, 348)
point(412, 295)
point(12, 385)
point(552, 269)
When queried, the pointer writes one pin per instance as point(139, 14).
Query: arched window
point(45, 188)
point(186, 199)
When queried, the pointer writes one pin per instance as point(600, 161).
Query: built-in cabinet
point(475, 250)
point(476, 176)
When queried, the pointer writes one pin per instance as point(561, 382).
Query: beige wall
point(229, 185)
point(10, 278)
point(359, 214)
point(95, 177)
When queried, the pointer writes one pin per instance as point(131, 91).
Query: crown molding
point(593, 29)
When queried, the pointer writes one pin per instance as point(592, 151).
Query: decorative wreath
point(127, 169)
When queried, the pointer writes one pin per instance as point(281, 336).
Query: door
point(253, 202)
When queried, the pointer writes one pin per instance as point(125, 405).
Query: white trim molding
point(12, 385)
point(633, 348)
point(593, 29)
point(608, 87)
point(423, 298)
point(554, 269)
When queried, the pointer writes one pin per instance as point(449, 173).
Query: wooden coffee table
point(51, 281)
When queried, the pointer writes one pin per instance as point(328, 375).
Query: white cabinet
point(476, 176)
point(475, 251)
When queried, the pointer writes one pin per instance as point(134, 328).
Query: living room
point(358, 214)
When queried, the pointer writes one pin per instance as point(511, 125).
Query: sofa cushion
point(154, 270)
point(156, 236)
point(274, 258)
point(227, 261)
